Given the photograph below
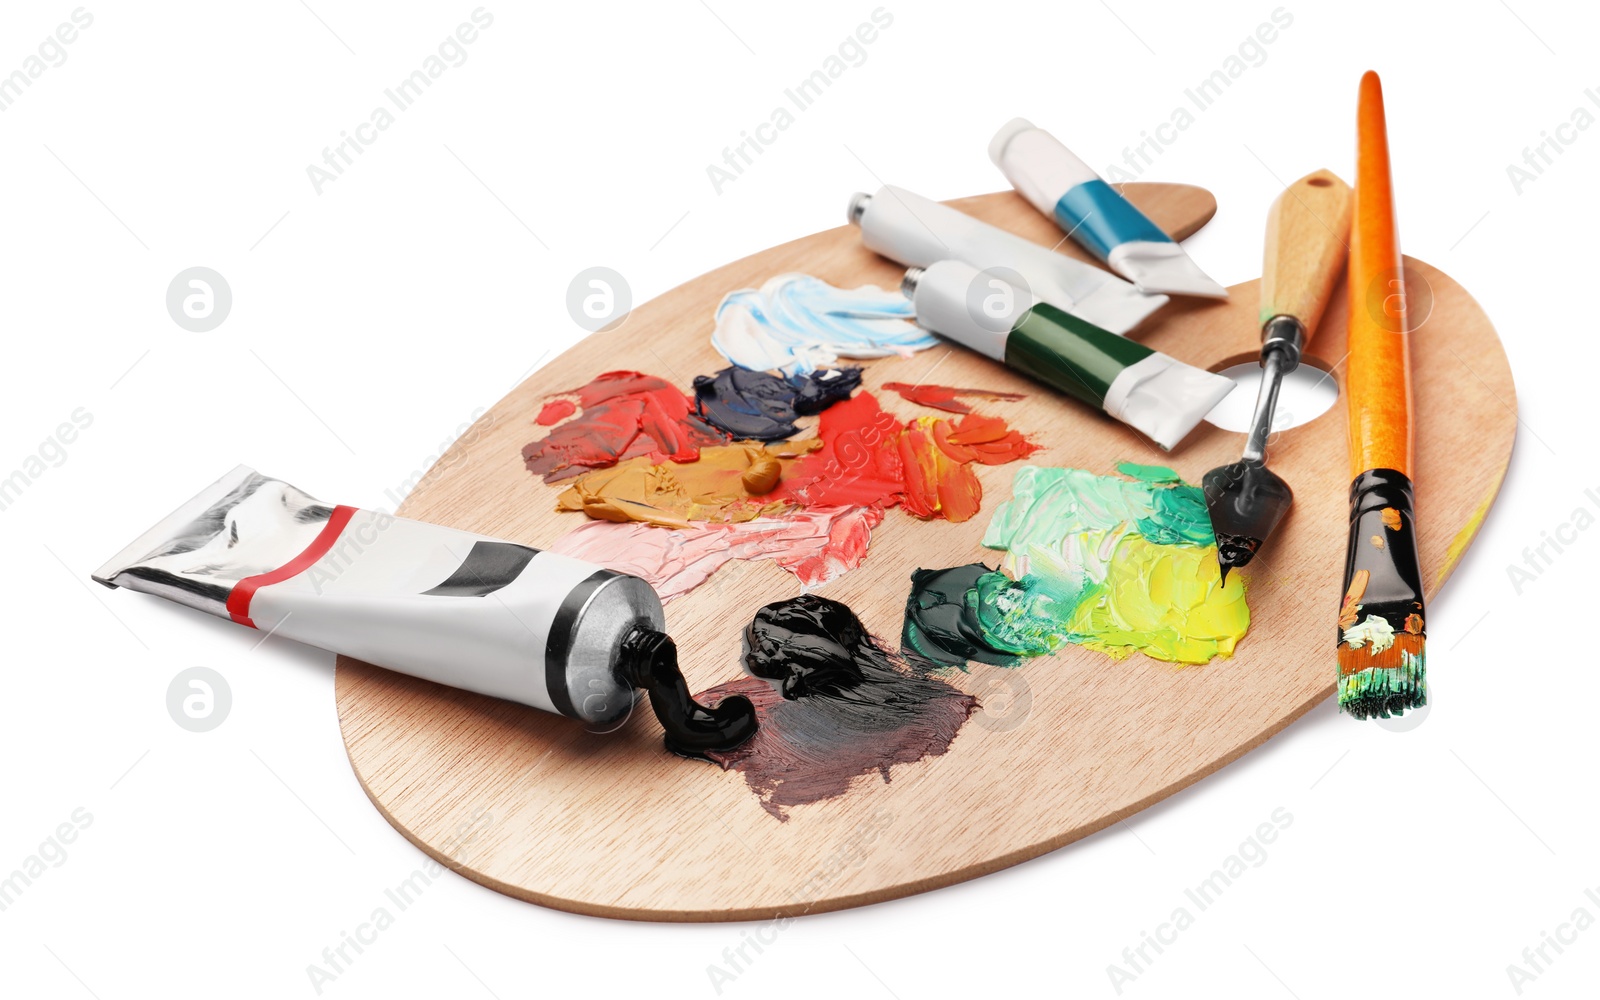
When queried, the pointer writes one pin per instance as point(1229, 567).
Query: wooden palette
point(611, 824)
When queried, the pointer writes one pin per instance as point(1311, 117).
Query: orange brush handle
point(1378, 371)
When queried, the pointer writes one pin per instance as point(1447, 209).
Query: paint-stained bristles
point(1377, 684)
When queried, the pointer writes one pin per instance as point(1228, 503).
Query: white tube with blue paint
point(1094, 214)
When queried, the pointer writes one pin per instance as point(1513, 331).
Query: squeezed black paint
point(650, 660)
point(1246, 501)
point(815, 650)
point(760, 406)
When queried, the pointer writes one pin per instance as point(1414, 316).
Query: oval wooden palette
point(611, 824)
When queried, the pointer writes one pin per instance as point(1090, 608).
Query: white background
point(371, 321)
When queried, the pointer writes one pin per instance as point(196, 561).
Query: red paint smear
point(625, 415)
point(944, 397)
point(868, 458)
point(555, 411)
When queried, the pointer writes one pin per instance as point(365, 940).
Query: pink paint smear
point(816, 545)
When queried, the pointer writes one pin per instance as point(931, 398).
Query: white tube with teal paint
point(1094, 214)
point(1154, 393)
point(917, 231)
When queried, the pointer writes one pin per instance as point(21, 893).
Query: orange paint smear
point(946, 397)
point(1351, 609)
point(868, 458)
point(1353, 661)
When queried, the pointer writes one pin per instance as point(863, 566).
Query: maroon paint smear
point(947, 397)
point(831, 705)
point(625, 415)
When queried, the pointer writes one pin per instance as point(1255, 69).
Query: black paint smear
point(832, 704)
point(760, 406)
point(941, 628)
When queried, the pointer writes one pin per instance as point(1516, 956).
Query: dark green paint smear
point(942, 627)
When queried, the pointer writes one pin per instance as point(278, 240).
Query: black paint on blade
point(760, 406)
point(1246, 500)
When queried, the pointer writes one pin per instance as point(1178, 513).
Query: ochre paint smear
point(816, 545)
point(729, 482)
point(832, 705)
point(946, 397)
point(624, 415)
point(869, 458)
point(555, 411)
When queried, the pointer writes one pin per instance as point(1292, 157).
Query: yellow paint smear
point(1166, 601)
point(1464, 537)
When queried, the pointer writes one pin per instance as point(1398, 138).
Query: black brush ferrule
point(1383, 544)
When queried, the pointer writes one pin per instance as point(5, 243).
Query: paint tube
point(1094, 213)
point(1151, 392)
point(917, 232)
point(449, 606)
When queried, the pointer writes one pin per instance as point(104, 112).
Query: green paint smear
point(1117, 565)
point(1149, 473)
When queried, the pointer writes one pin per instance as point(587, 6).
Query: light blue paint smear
point(796, 323)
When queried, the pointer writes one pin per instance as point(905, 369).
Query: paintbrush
point(1381, 633)
point(1306, 230)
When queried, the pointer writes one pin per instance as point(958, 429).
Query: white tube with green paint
point(1094, 213)
point(1155, 394)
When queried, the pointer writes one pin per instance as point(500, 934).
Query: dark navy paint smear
point(942, 628)
point(760, 406)
point(832, 705)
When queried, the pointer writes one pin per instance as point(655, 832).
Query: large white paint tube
point(453, 607)
point(918, 231)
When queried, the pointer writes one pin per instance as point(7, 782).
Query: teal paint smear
point(1179, 517)
point(1031, 616)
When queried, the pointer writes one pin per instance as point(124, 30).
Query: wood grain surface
point(610, 824)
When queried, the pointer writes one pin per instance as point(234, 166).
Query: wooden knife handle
point(1307, 232)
